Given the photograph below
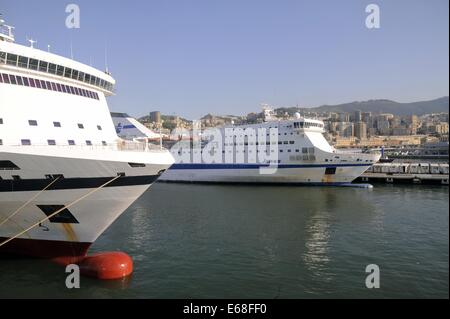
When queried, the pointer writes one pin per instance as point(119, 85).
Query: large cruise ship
point(65, 175)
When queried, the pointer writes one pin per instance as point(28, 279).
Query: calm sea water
point(205, 241)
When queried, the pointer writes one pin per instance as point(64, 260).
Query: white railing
point(137, 146)
point(6, 30)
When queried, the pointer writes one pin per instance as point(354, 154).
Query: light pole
point(160, 136)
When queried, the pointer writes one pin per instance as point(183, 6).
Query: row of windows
point(243, 128)
point(296, 125)
point(251, 135)
point(47, 85)
point(302, 158)
point(37, 65)
point(27, 142)
point(304, 150)
point(55, 124)
point(257, 143)
point(307, 125)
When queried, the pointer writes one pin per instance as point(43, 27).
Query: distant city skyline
point(228, 57)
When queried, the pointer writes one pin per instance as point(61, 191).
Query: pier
point(431, 179)
point(407, 173)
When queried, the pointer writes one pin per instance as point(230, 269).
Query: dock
point(407, 173)
point(393, 178)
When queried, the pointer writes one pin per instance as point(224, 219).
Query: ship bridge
point(309, 125)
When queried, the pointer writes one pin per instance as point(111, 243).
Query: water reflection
point(329, 208)
point(317, 246)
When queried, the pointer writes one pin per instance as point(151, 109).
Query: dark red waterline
point(49, 249)
point(107, 265)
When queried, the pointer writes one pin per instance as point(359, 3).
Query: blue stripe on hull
point(162, 180)
point(257, 166)
point(26, 185)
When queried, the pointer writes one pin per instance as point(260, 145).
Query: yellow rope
point(58, 211)
point(27, 203)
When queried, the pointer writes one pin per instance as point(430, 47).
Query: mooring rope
point(28, 202)
point(58, 211)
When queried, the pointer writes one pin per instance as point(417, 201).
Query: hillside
point(381, 106)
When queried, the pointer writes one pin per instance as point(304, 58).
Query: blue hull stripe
point(26, 185)
point(257, 166)
point(162, 180)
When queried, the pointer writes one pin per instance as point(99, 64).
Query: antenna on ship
point(48, 48)
point(71, 49)
point(106, 59)
point(32, 42)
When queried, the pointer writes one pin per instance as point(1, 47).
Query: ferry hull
point(283, 174)
point(42, 185)
point(69, 234)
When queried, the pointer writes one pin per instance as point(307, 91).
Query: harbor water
point(219, 241)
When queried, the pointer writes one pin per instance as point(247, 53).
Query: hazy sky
point(228, 56)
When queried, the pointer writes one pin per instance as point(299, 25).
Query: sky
point(190, 58)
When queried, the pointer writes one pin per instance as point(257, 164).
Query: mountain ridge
point(383, 106)
point(376, 106)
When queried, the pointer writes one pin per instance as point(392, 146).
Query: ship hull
point(68, 234)
point(42, 185)
point(310, 174)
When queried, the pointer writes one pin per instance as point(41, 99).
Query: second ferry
point(292, 151)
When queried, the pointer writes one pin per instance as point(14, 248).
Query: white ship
point(299, 154)
point(61, 161)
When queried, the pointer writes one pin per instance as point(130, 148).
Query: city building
point(345, 129)
point(361, 130)
point(155, 117)
point(344, 117)
point(366, 117)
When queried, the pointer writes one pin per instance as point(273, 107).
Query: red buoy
point(107, 265)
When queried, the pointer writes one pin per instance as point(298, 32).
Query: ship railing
point(5, 30)
point(137, 146)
